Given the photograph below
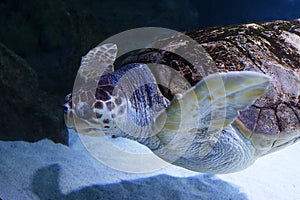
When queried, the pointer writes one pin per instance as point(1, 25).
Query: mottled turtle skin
point(260, 126)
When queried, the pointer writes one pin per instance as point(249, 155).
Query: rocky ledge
point(26, 112)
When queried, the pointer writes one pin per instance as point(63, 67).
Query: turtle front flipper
point(98, 61)
point(194, 130)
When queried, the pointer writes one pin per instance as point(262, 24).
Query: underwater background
point(48, 38)
point(41, 44)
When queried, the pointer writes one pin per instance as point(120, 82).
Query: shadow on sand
point(45, 185)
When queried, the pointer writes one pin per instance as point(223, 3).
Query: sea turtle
point(200, 129)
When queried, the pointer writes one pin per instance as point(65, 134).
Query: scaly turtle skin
point(201, 129)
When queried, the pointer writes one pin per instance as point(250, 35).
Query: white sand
point(45, 170)
point(274, 176)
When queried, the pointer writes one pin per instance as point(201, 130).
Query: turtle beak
point(69, 120)
point(68, 113)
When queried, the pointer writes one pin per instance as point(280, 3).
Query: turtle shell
point(273, 121)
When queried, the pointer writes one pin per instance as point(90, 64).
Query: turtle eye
point(66, 108)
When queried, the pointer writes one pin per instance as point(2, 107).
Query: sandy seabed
point(44, 170)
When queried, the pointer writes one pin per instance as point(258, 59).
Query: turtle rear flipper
point(191, 127)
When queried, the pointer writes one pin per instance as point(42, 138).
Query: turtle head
point(93, 111)
point(91, 108)
point(100, 118)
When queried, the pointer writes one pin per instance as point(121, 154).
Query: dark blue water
point(218, 12)
point(52, 35)
point(189, 14)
